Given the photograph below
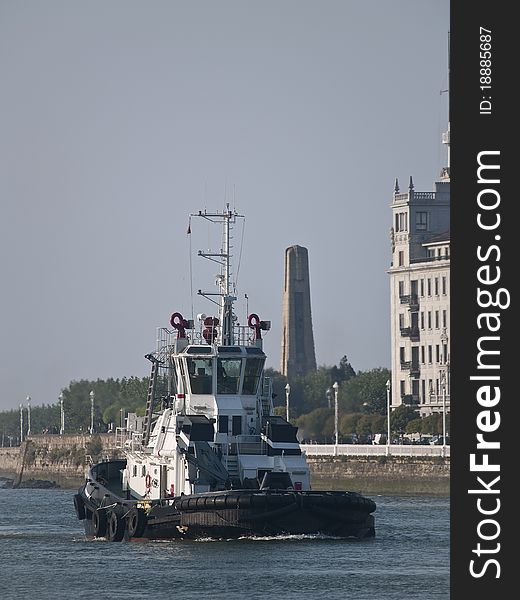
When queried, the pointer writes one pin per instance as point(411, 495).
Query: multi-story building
point(420, 296)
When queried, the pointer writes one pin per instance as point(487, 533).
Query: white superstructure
point(209, 424)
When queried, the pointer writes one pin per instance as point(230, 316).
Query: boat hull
point(225, 514)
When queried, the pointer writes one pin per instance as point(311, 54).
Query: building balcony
point(412, 300)
point(411, 332)
point(412, 367)
point(410, 399)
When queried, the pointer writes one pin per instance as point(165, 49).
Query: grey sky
point(119, 118)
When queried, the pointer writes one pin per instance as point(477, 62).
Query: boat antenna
point(227, 219)
point(191, 267)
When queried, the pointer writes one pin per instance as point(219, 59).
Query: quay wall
point(59, 458)
point(390, 475)
point(64, 459)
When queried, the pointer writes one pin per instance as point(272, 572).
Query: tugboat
point(210, 459)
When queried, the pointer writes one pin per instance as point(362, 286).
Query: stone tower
point(298, 357)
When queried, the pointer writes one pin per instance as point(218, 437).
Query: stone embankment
point(64, 459)
point(382, 474)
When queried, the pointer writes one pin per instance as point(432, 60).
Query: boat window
point(228, 375)
point(236, 425)
point(201, 372)
point(252, 375)
point(135, 471)
point(223, 424)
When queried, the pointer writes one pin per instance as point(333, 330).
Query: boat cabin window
point(223, 424)
point(236, 425)
point(228, 375)
point(201, 374)
point(252, 375)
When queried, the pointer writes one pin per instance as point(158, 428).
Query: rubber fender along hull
point(227, 514)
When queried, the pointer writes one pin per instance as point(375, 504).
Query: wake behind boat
point(210, 458)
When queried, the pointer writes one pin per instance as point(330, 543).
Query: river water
point(43, 554)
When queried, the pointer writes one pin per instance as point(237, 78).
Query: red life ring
point(178, 322)
point(254, 323)
point(250, 320)
point(148, 481)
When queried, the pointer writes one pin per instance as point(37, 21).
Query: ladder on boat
point(147, 425)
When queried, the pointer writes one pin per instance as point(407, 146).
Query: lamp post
point(21, 423)
point(443, 384)
point(336, 386)
point(91, 412)
point(328, 395)
point(388, 385)
point(62, 415)
point(287, 392)
point(28, 416)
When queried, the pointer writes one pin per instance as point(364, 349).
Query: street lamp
point(21, 423)
point(328, 395)
point(388, 385)
point(28, 416)
point(62, 415)
point(287, 392)
point(336, 386)
point(443, 384)
point(91, 412)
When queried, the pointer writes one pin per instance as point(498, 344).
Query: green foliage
point(401, 416)
point(318, 425)
point(110, 397)
point(366, 392)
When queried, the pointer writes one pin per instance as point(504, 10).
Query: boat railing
point(249, 444)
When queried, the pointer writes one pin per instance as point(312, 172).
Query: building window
point(402, 387)
point(444, 318)
point(444, 286)
point(422, 288)
point(423, 386)
point(429, 319)
point(401, 258)
point(445, 352)
point(429, 286)
point(402, 354)
point(401, 221)
point(401, 288)
point(430, 355)
point(422, 355)
point(437, 353)
point(436, 319)
point(422, 320)
point(401, 320)
point(421, 221)
point(436, 286)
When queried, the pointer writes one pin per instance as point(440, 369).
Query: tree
point(401, 416)
point(366, 392)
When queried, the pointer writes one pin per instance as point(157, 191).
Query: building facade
point(420, 297)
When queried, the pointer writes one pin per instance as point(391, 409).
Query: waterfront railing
point(375, 450)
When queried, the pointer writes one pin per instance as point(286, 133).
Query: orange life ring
point(148, 481)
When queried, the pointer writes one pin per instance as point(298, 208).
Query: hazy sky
point(119, 118)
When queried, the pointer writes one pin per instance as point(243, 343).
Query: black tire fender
point(99, 522)
point(136, 522)
point(115, 526)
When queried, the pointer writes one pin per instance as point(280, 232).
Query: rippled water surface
point(43, 554)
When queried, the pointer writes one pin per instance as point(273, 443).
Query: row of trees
point(362, 405)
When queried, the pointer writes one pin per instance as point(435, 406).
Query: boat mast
point(227, 218)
